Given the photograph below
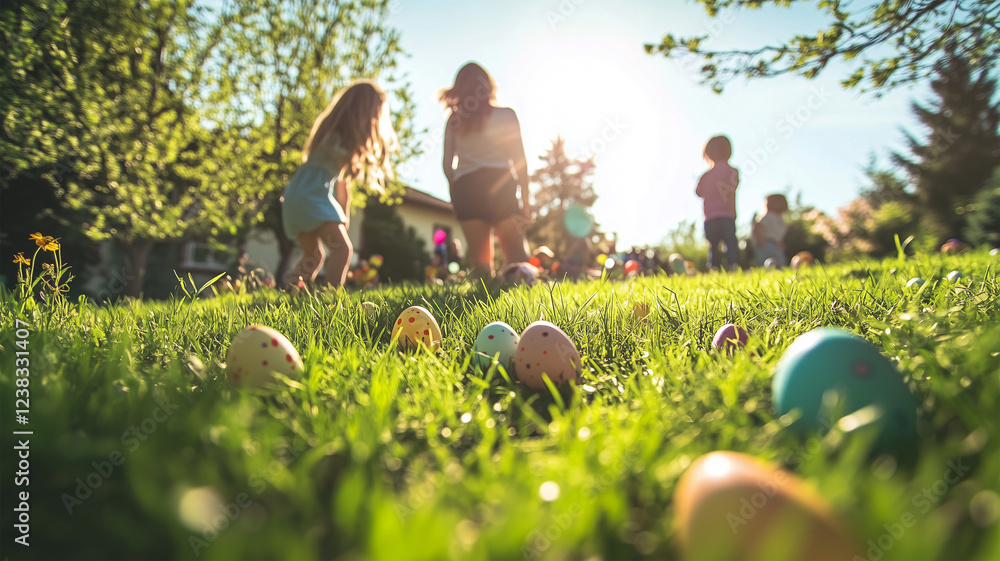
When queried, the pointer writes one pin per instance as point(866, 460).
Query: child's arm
point(343, 194)
point(449, 150)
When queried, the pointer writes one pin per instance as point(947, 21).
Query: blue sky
point(577, 68)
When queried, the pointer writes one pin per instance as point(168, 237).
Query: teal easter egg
point(495, 340)
point(827, 359)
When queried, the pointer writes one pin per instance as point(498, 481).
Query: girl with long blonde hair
point(485, 165)
point(349, 143)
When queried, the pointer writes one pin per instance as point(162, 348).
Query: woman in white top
point(485, 164)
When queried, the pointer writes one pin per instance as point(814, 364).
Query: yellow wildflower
point(20, 259)
point(41, 240)
point(52, 245)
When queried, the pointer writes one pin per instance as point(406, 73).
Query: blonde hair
point(356, 125)
point(470, 98)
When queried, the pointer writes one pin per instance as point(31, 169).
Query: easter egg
point(802, 258)
point(632, 266)
point(730, 506)
point(833, 359)
point(955, 276)
point(915, 282)
point(770, 263)
point(677, 263)
point(640, 311)
point(601, 259)
point(730, 337)
point(256, 353)
point(954, 245)
point(376, 260)
point(416, 327)
point(496, 338)
point(544, 349)
point(995, 251)
point(370, 309)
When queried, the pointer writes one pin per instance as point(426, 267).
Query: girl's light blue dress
point(310, 198)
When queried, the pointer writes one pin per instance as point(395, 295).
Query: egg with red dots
point(498, 340)
point(257, 353)
point(545, 350)
point(416, 328)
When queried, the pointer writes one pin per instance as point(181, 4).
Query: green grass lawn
point(376, 455)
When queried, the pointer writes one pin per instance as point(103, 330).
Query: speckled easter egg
point(545, 349)
point(730, 337)
point(496, 338)
point(416, 327)
point(802, 259)
point(256, 353)
point(915, 283)
point(955, 276)
point(833, 359)
point(730, 506)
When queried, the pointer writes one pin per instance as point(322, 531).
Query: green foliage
point(961, 149)
point(561, 182)
point(370, 454)
point(983, 214)
point(385, 233)
point(687, 240)
point(162, 120)
point(887, 43)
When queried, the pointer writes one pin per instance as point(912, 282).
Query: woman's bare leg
point(513, 245)
point(479, 236)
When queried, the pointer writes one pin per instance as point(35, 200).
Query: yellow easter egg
point(256, 353)
point(415, 327)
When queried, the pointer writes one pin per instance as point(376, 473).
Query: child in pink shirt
point(718, 189)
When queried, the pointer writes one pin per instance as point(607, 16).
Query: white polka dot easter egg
point(416, 327)
point(496, 339)
point(257, 353)
point(545, 350)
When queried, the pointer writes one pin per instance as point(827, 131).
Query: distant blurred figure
point(768, 233)
point(717, 187)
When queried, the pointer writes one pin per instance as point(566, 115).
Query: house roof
point(412, 196)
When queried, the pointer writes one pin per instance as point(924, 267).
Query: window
point(203, 255)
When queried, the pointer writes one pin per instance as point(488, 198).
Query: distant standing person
point(768, 233)
point(349, 141)
point(718, 189)
point(485, 164)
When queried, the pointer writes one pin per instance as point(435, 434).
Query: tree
point(169, 120)
point(961, 148)
point(385, 233)
point(286, 60)
point(984, 214)
point(122, 86)
point(889, 42)
point(562, 182)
